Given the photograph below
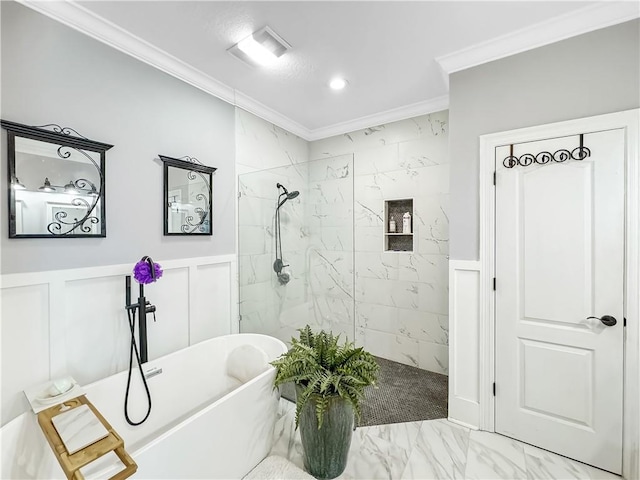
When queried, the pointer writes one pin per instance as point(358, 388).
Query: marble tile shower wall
point(262, 145)
point(401, 297)
point(265, 305)
point(330, 254)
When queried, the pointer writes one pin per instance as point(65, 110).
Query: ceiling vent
point(263, 47)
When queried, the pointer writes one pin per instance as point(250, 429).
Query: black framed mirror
point(188, 196)
point(56, 182)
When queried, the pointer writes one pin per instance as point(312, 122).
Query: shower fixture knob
point(278, 265)
point(284, 278)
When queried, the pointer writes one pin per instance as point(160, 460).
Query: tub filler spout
point(142, 307)
point(145, 271)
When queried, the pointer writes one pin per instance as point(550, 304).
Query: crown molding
point(401, 113)
point(436, 104)
point(258, 109)
point(79, 18)
point(594, 17)
point(590, 18)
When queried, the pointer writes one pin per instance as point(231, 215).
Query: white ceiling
point(392, 53)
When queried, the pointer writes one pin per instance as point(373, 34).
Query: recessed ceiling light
point(263, 47)
point(338, 83)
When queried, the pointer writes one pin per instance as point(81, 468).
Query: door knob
point(608, 320)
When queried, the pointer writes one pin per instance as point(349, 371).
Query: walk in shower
point(296, 248)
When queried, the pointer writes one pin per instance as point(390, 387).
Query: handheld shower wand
point(278, 264)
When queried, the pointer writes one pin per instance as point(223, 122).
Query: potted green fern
point(330, 380)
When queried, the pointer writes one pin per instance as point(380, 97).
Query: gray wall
point(53, 74)
point(591, 74)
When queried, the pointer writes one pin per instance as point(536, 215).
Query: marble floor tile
point(381, 451)
point(286, 441)
point(436, 449)
point(440, 452)
point(378, 452)
point(492, 456)
point(544, 465)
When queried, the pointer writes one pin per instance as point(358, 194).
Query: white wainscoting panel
point(94, 333)
point(212, 307)
point(25, 344)
point(73, 322)
point(464, 321)
point(170, 331)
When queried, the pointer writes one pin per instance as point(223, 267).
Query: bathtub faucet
point(143, 307)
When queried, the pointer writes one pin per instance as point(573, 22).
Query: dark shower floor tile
point(403, 394)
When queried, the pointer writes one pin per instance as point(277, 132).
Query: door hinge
point(239, 318)
point(494, 389)
point(239, 194)
point(624, 321)
point(494, 178)
point(494, 283)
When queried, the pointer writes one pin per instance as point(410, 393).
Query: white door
point(559, 260)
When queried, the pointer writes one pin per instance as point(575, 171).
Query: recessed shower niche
point(398, 225)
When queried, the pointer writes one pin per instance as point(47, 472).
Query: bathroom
point(62, 300)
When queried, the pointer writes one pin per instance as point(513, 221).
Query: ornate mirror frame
point(199, 219)
point(68, 141)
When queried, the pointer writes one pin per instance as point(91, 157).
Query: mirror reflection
point(55, 187)
point(56, 183)
point(188, 196)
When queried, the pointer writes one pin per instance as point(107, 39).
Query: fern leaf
point(321, 406)
point(321, 367)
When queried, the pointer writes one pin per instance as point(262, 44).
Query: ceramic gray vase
point(326, 449)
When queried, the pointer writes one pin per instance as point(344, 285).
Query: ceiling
point(394, 54)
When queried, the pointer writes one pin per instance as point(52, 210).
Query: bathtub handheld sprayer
point(144, 272)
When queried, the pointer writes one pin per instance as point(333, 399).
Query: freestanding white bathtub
point(204, 422)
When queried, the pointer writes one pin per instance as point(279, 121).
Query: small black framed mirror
point(56, 182)
point(188, 196)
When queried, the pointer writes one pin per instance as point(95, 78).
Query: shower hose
point(131, 314)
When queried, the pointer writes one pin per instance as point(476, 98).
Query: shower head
point(288, 195)
point(291, 195)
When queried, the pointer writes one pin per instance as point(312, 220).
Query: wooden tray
point(71, 464)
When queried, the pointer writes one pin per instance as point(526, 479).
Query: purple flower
point(142, 272)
